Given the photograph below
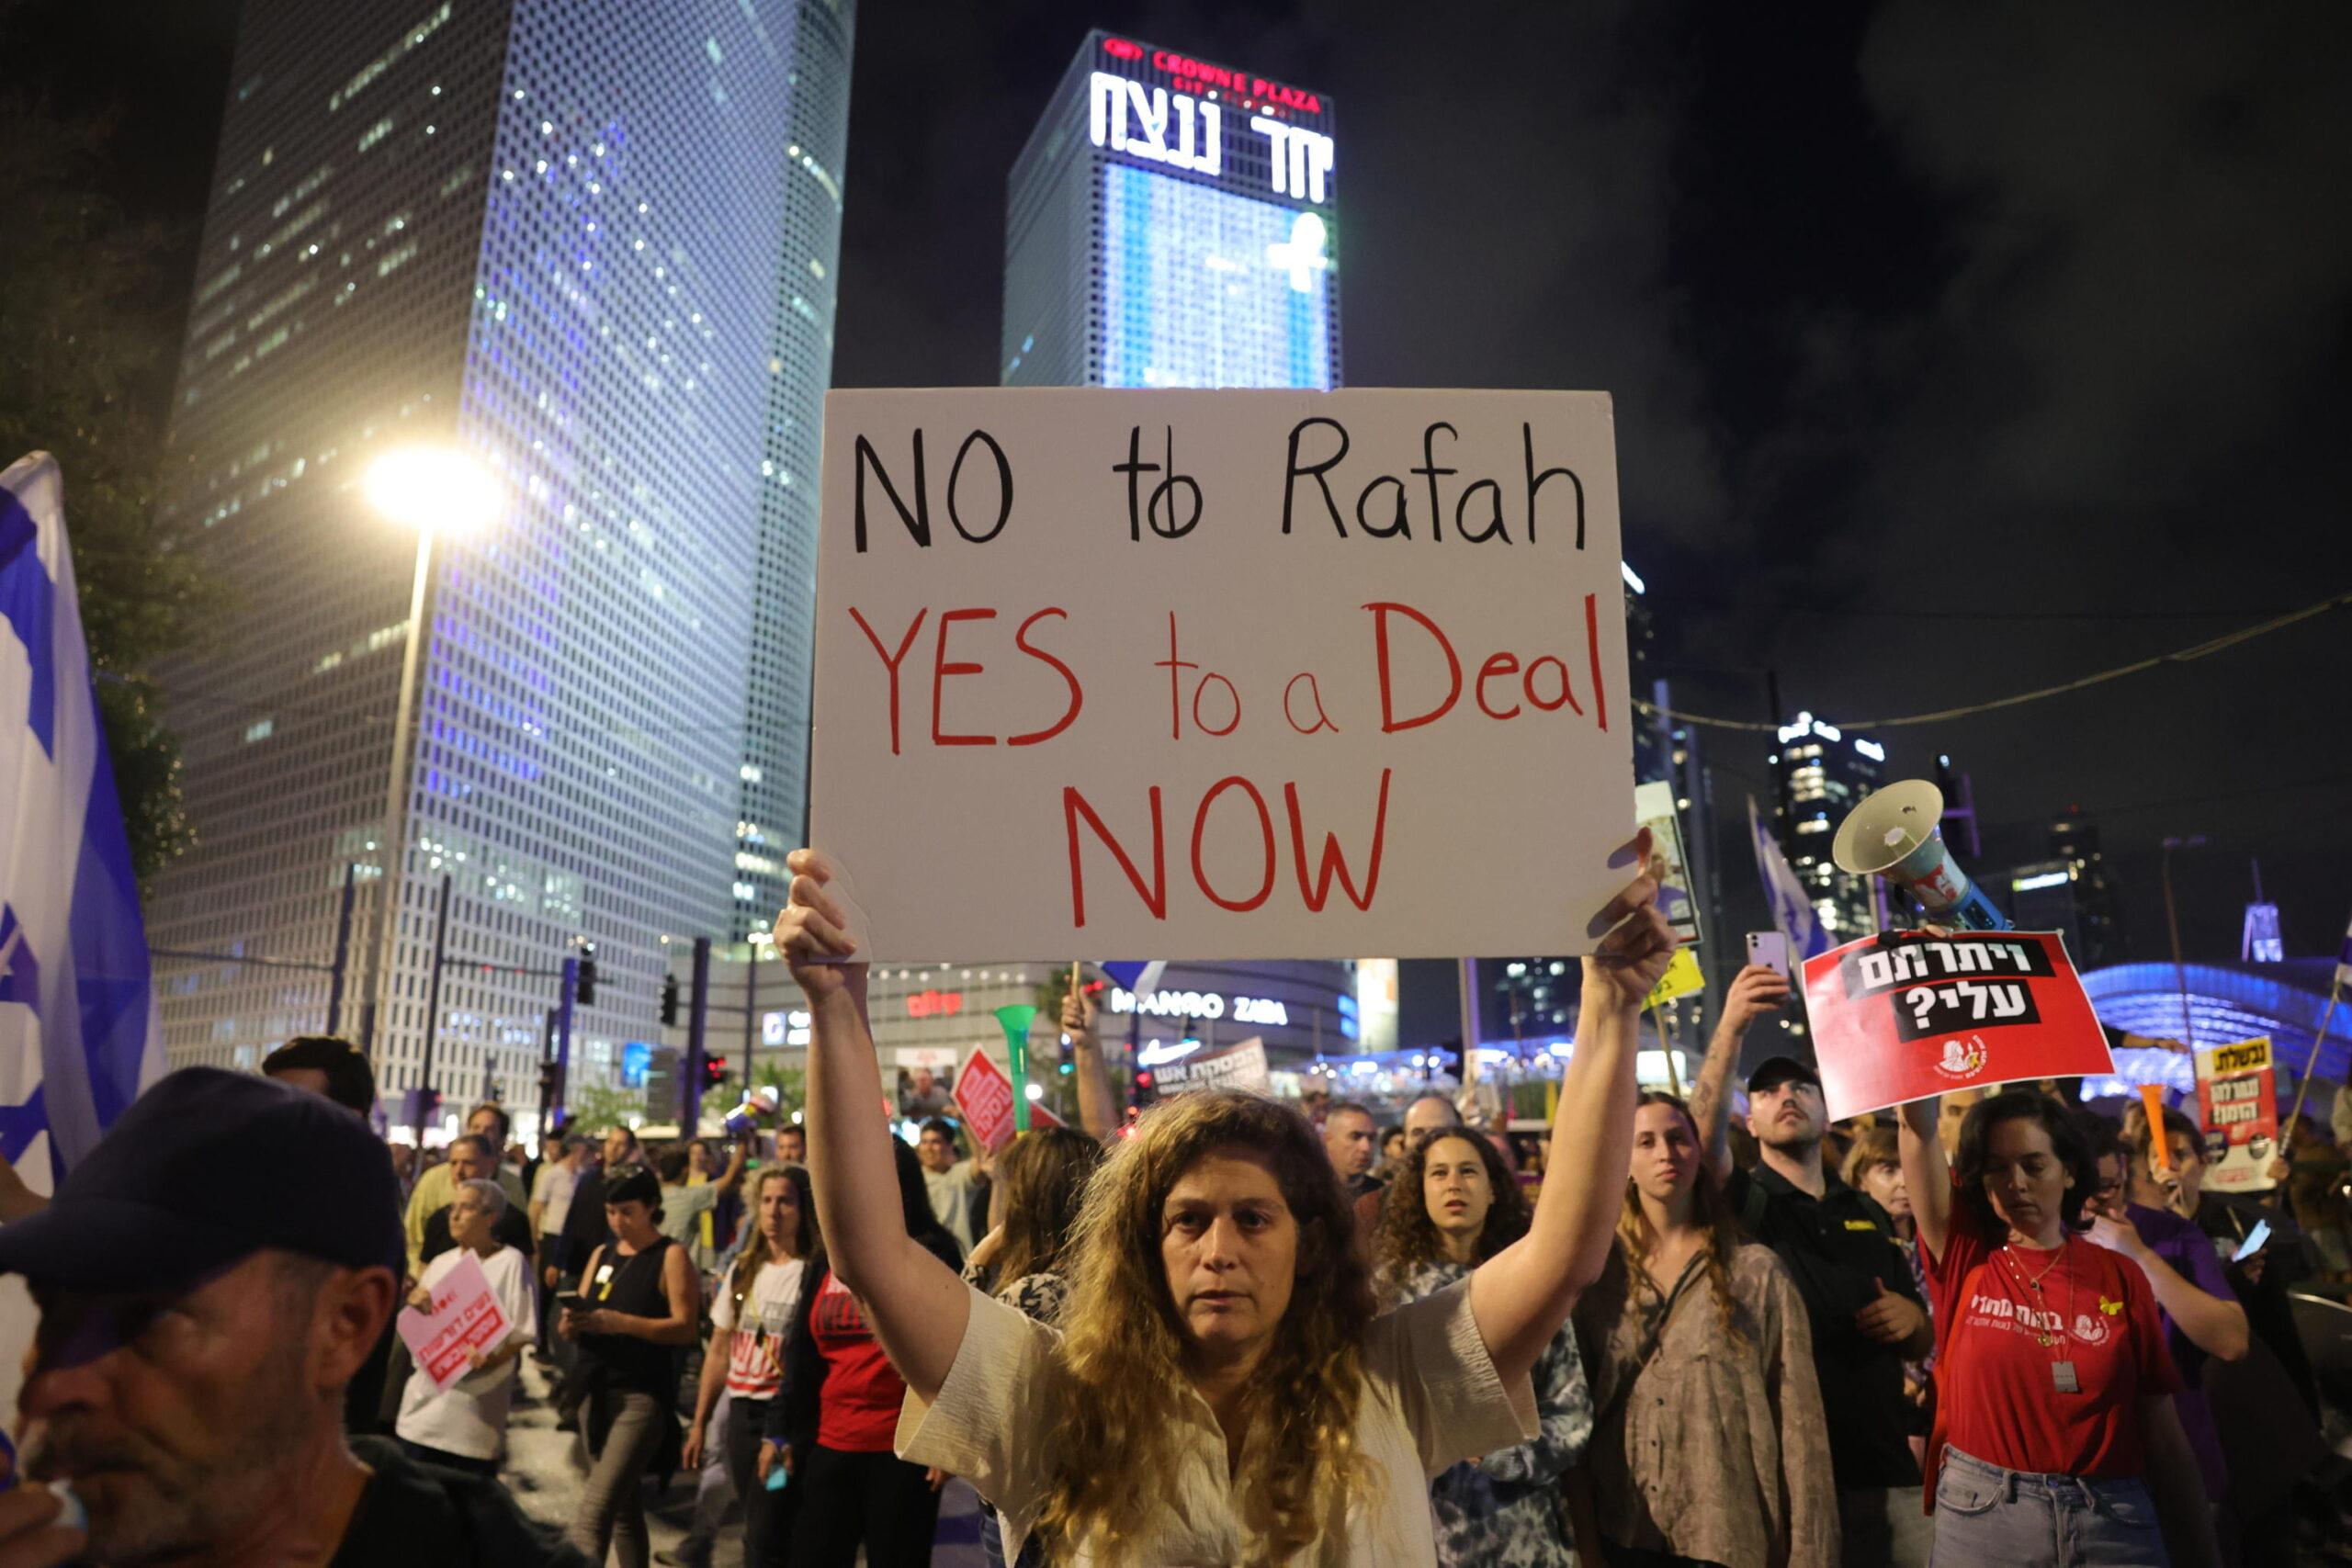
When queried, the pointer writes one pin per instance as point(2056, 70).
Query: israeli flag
point(1792, 912)
point(1133, 978)
point(78, 1033)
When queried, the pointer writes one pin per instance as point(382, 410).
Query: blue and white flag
point(78, 1031)
point(1792, 912)
point(1136, 978)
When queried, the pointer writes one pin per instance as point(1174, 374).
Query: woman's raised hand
point(812, 932)
point(1633, 956)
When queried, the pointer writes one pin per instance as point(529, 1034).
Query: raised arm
point(1926, 1173)
point(1755, 991)
point(918, 1306)
point(1098, 1108)
point(2214, 1322)
point(731, 1177)
point(1522, 1294)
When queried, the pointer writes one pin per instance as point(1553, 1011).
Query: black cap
point(203, 1169)
point(1773, 1071)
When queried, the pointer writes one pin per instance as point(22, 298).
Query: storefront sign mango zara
point(1202, 1004)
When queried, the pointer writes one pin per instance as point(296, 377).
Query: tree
point(89, 339)
point(595, 1107)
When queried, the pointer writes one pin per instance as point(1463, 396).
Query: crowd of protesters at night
point(1703, 1326)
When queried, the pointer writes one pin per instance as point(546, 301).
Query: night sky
point(1956, 351)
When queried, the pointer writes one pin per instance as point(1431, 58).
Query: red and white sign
point(2237, 1104)
point(466, 1317)
point(1901, 1015)
point(985, 1093)
point(1044, 662)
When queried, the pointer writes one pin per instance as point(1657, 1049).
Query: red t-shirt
point(858, 1411)
point(1997, 1394)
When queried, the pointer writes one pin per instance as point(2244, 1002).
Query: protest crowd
point(1713, 1328)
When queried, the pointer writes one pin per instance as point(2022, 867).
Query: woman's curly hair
point(1123, 1347)
point(1408, 1237)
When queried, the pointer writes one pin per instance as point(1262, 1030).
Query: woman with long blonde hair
point(749, 1314)
point(1711, 1446)
point(1221, 1389)
point(1451, 1206)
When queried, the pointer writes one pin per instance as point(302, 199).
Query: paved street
point(545, 1469)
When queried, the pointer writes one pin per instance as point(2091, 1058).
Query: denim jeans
point(1987, 1515)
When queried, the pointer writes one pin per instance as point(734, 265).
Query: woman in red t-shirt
point(840, 1410)
point(2054, 1440)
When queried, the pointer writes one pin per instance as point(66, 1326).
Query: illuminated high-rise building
point(1171, 224)
point(1823, 772)
point(589, 244)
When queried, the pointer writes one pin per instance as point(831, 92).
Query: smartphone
point(571, 1301)
point(1771, 950)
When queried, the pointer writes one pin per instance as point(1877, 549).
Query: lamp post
point(2172, 923)
point(435, 491)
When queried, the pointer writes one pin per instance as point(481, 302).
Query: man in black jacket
point(1839, 1249)
point(200, 1316)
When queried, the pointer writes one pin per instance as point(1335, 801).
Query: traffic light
point(586, 992)
point(714, 1071)
point(670, 1001)
point(547, 1082)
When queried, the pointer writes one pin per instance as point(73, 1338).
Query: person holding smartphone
point(1864, 1305)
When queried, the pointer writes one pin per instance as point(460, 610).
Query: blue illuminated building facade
point(1170, 223)
point(564, 236)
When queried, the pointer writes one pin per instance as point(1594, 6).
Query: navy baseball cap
point(1773, 1071)
point(204, 1170)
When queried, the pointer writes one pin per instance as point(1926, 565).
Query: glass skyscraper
point(590, 244)
point(1171, 224)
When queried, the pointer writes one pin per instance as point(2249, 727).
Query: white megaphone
point(1896, 833)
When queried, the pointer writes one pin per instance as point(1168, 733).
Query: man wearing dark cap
point(1839, 1248)
point(200, 1314)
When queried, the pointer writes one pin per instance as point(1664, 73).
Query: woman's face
point(1884, 1183)
point(780, 1214)
point(1455, 1189)
point(2024, 1179)
point(632, 1220)
point(469, 1220)
point(1229, 1244)
point(1666, 1155)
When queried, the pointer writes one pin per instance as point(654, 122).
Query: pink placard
point(465, 1317)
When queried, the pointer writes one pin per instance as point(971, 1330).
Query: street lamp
point(435, 491)
point(2172, 922)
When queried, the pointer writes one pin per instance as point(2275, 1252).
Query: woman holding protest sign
point(1221, 1390)
point(1710, 1445)
point(464, 1424)
point(2056, 1440)
point(1451, 1205)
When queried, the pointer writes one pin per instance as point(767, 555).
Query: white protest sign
point(1241, 1068)
point(1221, 674)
